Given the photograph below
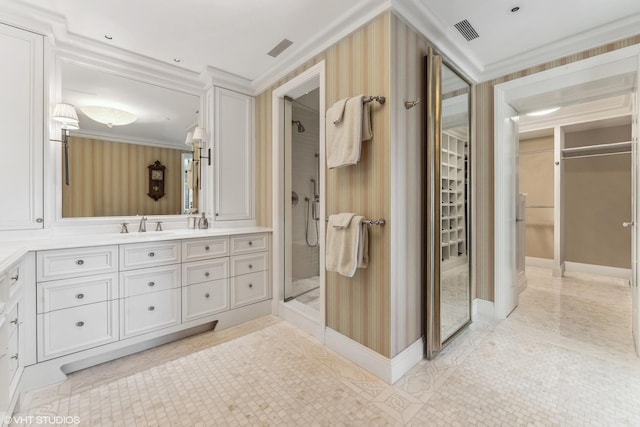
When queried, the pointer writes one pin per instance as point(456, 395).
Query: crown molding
point(212, 76)
point(617, 30)
point(351, 20)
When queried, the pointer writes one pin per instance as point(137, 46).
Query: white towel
point(348, 124)
point(347, 248)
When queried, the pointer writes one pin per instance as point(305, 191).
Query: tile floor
point(564, 358)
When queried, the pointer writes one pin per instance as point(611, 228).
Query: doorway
point(609, 74)
point(298, 200)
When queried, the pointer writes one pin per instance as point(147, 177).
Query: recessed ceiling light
point(108, 37)
point(543, 112)
point(515, 9)
point(177, 60)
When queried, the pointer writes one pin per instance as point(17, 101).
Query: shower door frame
point(310, 79)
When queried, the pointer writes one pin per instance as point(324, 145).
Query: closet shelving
point(453, 176)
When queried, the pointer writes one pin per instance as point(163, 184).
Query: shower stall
point(302, 147)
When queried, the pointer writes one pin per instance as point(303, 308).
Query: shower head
point(299, 125)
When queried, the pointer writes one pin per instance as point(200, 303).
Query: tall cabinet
point(21, 121)
point(233, 142)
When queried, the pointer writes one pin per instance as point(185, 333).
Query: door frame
point(310, 79)
point(597, 67)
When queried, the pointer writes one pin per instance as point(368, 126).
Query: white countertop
point(15, 249)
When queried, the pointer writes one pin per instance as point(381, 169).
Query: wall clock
point(156, 180)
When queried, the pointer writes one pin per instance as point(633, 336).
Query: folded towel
point(347, 248)
point(347, 125)
point(341, 220)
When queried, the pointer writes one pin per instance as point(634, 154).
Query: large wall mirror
point(448, 290)
point(110, 155)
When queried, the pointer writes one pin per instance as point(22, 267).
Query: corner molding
point(483, 309)
point(388, 370)
point(212, 76)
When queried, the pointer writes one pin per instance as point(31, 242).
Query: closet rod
point(597, 147)
point(595, 155)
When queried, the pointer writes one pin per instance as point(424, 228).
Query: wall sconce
point(67, 116)
point(197, 139)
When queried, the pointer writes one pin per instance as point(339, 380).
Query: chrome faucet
point(143, 225)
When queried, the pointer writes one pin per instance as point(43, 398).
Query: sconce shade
point(108, 115)
point(189, 140)
point(199, 134)
point(66, 114)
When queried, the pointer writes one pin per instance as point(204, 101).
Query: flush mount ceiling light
point(108, 115)
point(543, 112)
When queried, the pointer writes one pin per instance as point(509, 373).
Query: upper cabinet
point(22, 124)
point(233, 141)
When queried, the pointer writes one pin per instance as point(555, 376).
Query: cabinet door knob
point(250, 243)
point(80, 296)
point(14, 321)
point(251, 285)
point(15, 356)
point(80, 324)
point(207, 295)
point(151, 308)
point(250, 265)
point(206, 248)
point(152, 254)
point(152, 284)
point(206, 274)
point(80, 262)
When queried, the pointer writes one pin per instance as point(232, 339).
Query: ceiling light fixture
point(108, 115)
point(515, 9)
point(543, 112)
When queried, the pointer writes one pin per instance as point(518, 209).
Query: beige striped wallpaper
point(484, 159)
point(111, 179)
point(357, 307)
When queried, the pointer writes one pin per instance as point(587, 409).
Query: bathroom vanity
point(69, 303)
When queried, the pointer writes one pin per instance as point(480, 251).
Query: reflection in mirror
point(454, 268)
point(109, 155)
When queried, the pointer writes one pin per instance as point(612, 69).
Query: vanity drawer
point(13, 354)
point(249, 288)
point(147, 280)
point(248, 243)
point(12, 316)
point(140, 255)
point(65, 263)
point(245, 264)
point(74, 329)
point(205, 271)
point(67, 293)
point(204, 299)
point(199, 249)
point(15, 276)
point(149, 312)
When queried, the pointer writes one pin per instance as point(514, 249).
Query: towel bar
point(380, 99)
point(369, 221)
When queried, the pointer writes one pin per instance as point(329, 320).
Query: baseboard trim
point(538, 262)
point(388, 370)
point(483, 308)
point(288, 312)
point(600, 270)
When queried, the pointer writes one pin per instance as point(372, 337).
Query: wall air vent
point(467, 31)
point(280, 48)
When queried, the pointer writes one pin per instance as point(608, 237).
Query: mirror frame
point(160, 75)
point(432, 202)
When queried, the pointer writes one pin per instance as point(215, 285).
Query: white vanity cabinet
point(22, 124)
point(233, 143)
point(249, 269)
point(77, 300)
point(150, 287)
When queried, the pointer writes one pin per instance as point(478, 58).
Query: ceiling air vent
point(467, 31)
point(280, 48)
